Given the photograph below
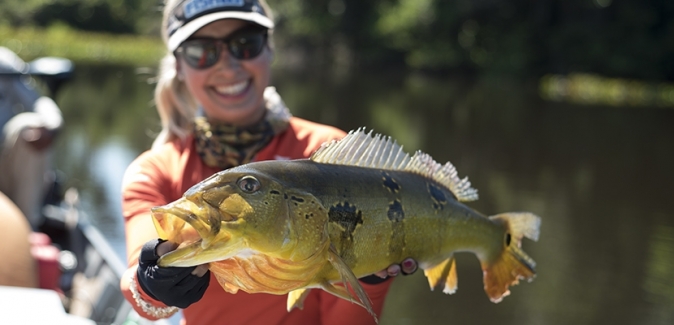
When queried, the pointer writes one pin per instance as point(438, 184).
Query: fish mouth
point(194, 226)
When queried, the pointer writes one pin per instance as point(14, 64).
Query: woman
point(217, 112)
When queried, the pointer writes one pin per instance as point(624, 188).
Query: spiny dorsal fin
point(365, 150)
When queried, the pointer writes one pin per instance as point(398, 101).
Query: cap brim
point(190, 28)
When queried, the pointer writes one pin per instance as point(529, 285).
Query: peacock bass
point(355, 207)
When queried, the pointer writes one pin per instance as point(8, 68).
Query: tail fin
point(512, 264)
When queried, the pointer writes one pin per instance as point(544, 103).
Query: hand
point(407, 267)
point(174, 286)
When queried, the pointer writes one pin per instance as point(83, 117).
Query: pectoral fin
point(296, 298)
point(348, 278)
point(444, 273)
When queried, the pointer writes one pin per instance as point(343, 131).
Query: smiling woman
point(217, 111)
point(231, 87)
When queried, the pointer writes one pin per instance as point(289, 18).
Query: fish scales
point(423, 224)
point(357, 206)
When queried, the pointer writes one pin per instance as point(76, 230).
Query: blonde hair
point(176, 106)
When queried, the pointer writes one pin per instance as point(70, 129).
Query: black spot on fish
point(395, 211)
point(390, 183)
point(285, 196)
point(438, 196)
point(298, 199)
point(508, 238)
point(347, 216)
point(275, 192)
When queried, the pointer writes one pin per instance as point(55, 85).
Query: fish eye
point(249, 184)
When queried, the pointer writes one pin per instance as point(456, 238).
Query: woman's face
point(231, 90)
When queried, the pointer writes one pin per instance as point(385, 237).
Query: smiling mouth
point(233, 90)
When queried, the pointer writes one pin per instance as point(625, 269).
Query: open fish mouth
point(194, 227)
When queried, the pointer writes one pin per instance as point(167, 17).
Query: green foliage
point(119, 16)
point(79, 46)
point(627, 38)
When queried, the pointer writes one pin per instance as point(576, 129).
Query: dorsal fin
point(376, 151)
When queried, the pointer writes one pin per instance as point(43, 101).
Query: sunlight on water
point(659, 270)
point(593, 89)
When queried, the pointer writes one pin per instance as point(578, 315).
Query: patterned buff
point(225, 146)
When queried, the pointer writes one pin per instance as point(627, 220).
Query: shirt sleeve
point(143, 187)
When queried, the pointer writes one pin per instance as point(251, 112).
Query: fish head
point(234, 212)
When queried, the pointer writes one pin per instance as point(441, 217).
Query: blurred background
point(564, 108)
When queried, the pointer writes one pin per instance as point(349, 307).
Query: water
point(600, 177)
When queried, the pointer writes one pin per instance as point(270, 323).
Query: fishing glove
point(174, 286)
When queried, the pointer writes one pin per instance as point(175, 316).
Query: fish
point(353, 208)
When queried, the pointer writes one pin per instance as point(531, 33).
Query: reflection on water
point(599, 176)
point(658, 280)
point(593, 89)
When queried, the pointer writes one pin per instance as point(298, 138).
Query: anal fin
point(443, 273)
point(296, 298)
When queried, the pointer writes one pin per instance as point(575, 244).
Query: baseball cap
point(189, 16)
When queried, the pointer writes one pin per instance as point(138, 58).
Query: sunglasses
point(244, 44)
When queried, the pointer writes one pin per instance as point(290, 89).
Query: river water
point(601, 177)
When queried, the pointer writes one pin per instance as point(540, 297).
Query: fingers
point(393, 270)
point(382, 274)
point(200, 270)
point(148, 254)
point(409, 266)
point(165, 247)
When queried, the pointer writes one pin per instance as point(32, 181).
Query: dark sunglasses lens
point(247, 46)
point(201, 54)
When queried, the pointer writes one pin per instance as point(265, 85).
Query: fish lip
point(207, 228)
point(182, 209)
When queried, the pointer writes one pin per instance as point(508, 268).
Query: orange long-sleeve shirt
point(162, 176)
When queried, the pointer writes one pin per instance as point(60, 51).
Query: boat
point(79, 272)
point(91, 269)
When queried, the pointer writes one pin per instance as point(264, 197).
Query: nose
point(226, 60)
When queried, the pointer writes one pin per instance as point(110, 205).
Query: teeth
point(232, 89)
